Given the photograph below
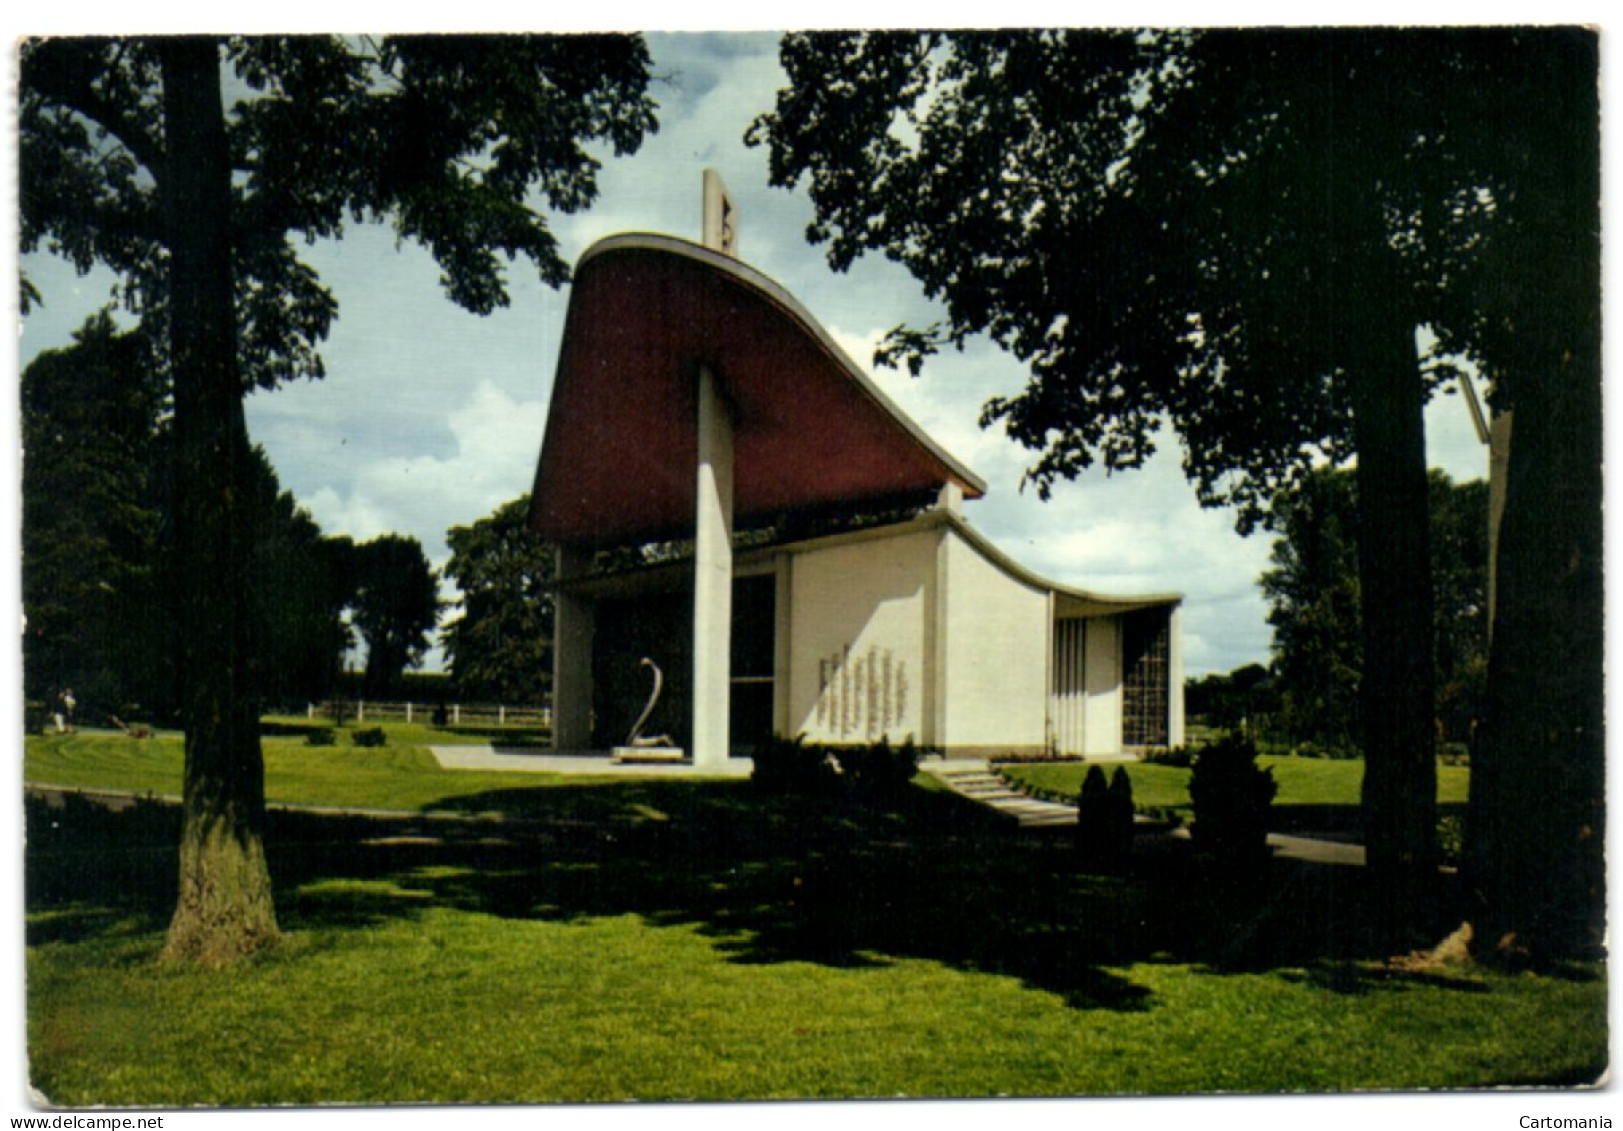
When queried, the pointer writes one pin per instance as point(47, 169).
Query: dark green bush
point(1230, 795)
point(798, 766)
point(1104, 820)
point(372, 736)
point(880, 769)
point(321, 736)
point(36, 719)
point(792, 766)
point(1182, 756)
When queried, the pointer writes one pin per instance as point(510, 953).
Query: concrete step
point(979, 784)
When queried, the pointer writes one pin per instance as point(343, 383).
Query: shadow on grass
point(1335, 822)
point(842, 882)
point(1362, 978)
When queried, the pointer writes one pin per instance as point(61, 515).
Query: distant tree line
point(500, 648)
point(1308, 695)
point(1314, 604)
point(100, 561)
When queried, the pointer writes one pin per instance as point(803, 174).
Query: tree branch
point(63, 72)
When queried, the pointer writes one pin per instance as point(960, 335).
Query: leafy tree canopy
point(91, 523)
point(302, 581)
point(1313, 595)
point(395, 608)
point(454, 140)
point(501, 645)
point(1192, 227)
point(99, 554)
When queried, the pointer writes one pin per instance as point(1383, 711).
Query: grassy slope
point(691, 939)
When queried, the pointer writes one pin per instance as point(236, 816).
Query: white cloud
point(496, 441)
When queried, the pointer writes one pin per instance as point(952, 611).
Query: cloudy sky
point(431, 417)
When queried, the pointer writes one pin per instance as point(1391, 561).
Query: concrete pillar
point(782, 631)
point(1102, 676)
point(933, 719)
point(713, 577)
point(571, 659)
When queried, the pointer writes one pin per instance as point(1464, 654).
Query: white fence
point(456, 714)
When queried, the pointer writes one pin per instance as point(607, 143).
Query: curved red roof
point(810, 428)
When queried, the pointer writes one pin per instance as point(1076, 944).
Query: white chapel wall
point(997, 643)
point(857, 617)
point(1102, 727)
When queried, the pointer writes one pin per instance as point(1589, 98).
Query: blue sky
point(431, 417)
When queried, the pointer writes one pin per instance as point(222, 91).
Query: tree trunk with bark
point(1538, 775)
point(1397, 698)
point(225, 909)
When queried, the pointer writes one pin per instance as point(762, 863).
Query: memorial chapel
point(737, 503)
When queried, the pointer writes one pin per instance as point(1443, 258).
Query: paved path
point(975, 780)
point(539, 762)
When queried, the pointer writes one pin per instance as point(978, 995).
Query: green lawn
point(1302, 781)
point(401, 775)
point(689, 939)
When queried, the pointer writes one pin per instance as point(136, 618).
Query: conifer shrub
point(372, 736)
point(321, 736)
point(1230, 795)
point(1104, 820)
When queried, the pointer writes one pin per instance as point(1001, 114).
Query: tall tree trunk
point(1397, 700)
point(224, 910)
point(1537, 827)
point(1538, 776)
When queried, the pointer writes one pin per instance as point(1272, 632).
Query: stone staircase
point(976, 781)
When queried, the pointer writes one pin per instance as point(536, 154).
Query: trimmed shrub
point(1104, 820)
point(880, 769)
point(791, 766)
point(321, 736)
point(372, 736)
point(1180, 756)
point(797, 766)
point(1230, 794)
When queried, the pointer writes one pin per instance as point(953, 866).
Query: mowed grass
point(399, 776)
point(1302, 781)
point(701, 940)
